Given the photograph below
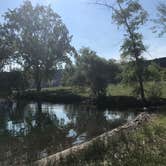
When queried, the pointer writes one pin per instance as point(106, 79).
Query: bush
point(154, 91)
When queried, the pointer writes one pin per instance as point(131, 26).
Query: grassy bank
point(112, 90)
point(145, 146)
point(117, 96)
point(68, 95)
point(127, 90)
point(57, 95)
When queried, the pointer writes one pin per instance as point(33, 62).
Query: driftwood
point(130, 126)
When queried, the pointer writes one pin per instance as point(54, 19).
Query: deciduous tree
point(92, 71)
point(43, 41)
point(130, 15)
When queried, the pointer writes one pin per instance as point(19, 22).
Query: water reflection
point(30, 131)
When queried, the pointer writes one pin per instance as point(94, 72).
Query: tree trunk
point(38, 85)
point(38, 80)
point(39, 114)
point(141, 89)
point(140, 80)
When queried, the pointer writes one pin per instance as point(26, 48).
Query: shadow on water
point(30, 131)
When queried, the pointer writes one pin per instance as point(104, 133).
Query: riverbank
point(140, 142)
point(69, 95)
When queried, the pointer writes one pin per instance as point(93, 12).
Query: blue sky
point(91, 26)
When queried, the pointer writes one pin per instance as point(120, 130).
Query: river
point(31, 131)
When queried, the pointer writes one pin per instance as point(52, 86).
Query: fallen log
point(128, 127)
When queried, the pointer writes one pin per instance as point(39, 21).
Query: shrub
point(154, 91)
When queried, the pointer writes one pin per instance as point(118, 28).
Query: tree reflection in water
point(30, 131)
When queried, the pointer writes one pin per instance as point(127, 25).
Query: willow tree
point(42, 40)
point(129, 15)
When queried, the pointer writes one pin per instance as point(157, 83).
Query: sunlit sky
point(91, 26)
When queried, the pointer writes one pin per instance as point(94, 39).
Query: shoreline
point(73, 98)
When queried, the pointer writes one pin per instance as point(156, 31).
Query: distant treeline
point(15, 80)
point(159, 61)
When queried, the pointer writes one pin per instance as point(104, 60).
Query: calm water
point(30, 131)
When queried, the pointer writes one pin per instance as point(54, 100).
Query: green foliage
point(129, 72)
point(14, 80)
point(153, 72)
point(160, 21)
point(163, 74)
point(144, 146)
point(6, 46)
point(92, 71)
point(129, 12)
point(130, 15)
point(154, 90)
point(42, 40)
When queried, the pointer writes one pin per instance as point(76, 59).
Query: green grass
point(76, 94)
point(119, 90)
point(160, 121)
point(126, 90)
point(81, 91)
point(56, 94)
point(112, 90)
point(143, 147)
point(164, 89)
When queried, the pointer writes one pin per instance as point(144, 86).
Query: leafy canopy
point(92, 71)
point(160, 21)
point(43, 41)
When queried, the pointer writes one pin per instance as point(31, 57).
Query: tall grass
point(143, 147)
point(127, 90)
